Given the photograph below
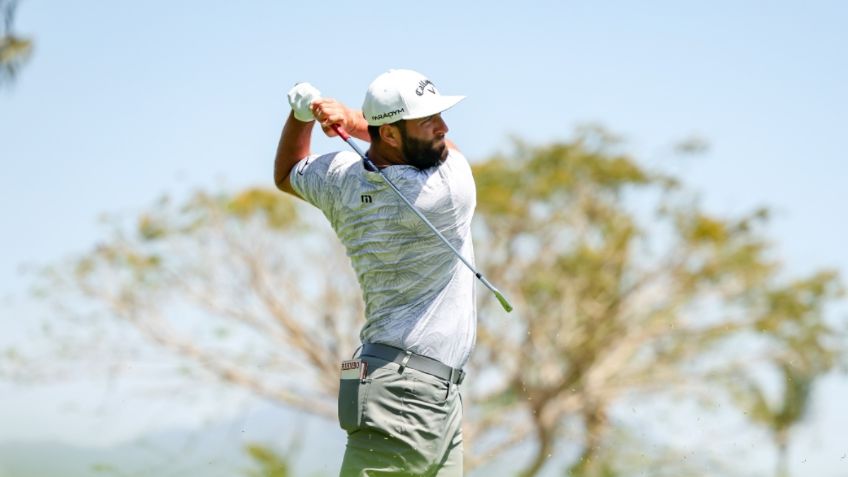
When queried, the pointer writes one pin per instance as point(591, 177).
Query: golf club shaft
point(371, 167)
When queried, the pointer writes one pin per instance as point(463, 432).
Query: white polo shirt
point(418, 294)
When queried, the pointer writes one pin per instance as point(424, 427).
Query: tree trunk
point(545, 436)
point(782, 469)
point(539, 460)
point(587, 464)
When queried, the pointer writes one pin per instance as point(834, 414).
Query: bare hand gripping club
point(371, 167)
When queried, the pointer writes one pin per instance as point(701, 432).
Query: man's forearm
point(294, 145)
point(360, 128)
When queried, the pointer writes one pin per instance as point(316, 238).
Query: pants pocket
point(350, 404)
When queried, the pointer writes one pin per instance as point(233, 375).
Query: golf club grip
point(340, 131)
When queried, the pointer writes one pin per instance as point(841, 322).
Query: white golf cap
point(403, 94)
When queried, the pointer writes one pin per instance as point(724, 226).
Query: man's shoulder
point(339, 159)
point(344, 158)
point(456, 154)
point(457, 163)
point(335, 162)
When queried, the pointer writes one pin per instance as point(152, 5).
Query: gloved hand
point(301, 98)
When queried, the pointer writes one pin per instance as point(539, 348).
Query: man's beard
point(423, 154)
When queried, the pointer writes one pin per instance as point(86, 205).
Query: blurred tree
point(790, 314)
point(780, 418)
point(625, 288)
point(14, 50)
point(623, 285)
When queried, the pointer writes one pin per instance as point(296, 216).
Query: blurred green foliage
point(267, 462)
point(14, 50)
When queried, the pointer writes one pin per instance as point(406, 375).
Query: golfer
point(399, 399)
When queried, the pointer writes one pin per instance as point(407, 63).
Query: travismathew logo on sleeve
point(387, 114)
point(422, 86)
point(302, 167)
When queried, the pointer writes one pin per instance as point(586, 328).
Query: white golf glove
point(301, 98)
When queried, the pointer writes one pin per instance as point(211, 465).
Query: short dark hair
point(374, 131)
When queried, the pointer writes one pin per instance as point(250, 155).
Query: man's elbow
point(281, 184)
point(282, 169)
point(284, 184)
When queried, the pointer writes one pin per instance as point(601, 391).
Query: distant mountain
point(315, 449)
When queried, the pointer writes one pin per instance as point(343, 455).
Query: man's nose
point(441, 125)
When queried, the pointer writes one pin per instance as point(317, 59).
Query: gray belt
point(414, 361)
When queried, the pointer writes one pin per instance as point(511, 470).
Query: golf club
point(371, 167)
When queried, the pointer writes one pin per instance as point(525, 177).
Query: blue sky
point(125, 101)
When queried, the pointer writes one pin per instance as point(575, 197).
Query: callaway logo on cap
point(403, 94)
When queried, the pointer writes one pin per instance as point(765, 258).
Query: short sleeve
point(311, 179)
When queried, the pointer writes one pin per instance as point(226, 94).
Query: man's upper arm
point(312, 179)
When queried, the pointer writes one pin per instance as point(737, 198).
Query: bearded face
point(421, 153)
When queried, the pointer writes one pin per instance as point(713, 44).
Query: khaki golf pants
point(400, 423)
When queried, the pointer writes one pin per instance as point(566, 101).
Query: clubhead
point(504, 302)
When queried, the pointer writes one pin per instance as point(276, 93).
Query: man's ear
point(390, 134)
